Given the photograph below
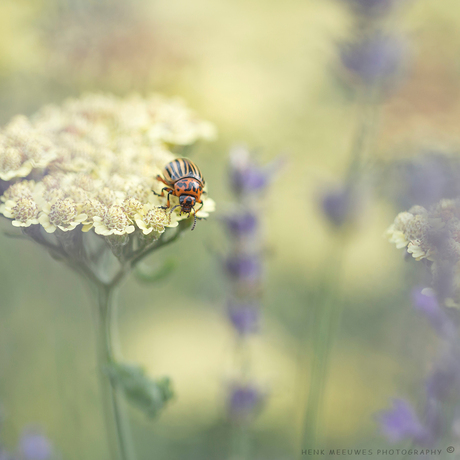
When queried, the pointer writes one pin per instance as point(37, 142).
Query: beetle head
point(187, 203)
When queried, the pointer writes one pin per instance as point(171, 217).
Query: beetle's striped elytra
point(183, 179)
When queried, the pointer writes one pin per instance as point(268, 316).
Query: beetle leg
point(162, 180)
point(202, 204)
point(169, 197)
point(162, 191)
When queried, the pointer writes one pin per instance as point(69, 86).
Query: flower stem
point(326, 320)
point(327, 314)
point(117, 424)
point(240, 443)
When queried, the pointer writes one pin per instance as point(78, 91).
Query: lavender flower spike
point(244, 401)
point(34, 446)
point(241, 224)
point(373, 8)
point(374, 58)
point(337, 206)
point(401, 422)
point(244, 316)
point(244, 267)
point(425, 301)
point(246, 176)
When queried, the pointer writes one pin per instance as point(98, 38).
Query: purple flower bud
point(244, 401)
point(374, 59)
point(34, 446)
point(244, 268)
point(245, 175)
point(245, 317)
point(241, 224)
point(336, 206)
point(401, 422)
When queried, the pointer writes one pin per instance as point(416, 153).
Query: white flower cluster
point(423, 231)
point(93, 162)
point(433, 234)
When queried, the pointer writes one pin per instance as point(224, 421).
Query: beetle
point(183, 179)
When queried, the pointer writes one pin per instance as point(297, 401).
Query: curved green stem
point(327, 314)
point(70, 249)
point(117, 424)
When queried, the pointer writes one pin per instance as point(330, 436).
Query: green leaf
point(146, 274)
point(150, 396)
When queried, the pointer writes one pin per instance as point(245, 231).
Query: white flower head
point(92, 208)
point(63, 214)
point(94, 161)
point(19, 189)
point(13, 164)
point(132, 206)
point(113, 222)
point(153, 218)
point(24, 211)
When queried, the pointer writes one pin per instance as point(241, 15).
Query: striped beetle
point(183, 179)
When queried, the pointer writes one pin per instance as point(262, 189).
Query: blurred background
point(268, 74)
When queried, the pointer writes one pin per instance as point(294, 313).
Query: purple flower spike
point(373, 8)
point(401, 422)
point(244, 267)
point(428, 305)
point(336, 206)
point(245, 318)
point(375, 58)
point(34, 446)
point(244, 401)
point(245, 175)
point(242, 224)
point(426, 180)
point(441, 382)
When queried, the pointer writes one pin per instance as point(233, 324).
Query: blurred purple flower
point(34, 446)
point(336, 206)
point(401, 422)
point(426, 180)
point(373, 8)
point(429, 306)
point(244, 401)
point(423, 180)
point(245, 317)
point(441, 382)
point(241, 224)
point(374, 59)
point(244, 267)
point(246, 176)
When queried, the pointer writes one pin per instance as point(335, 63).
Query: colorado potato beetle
point(183, 179)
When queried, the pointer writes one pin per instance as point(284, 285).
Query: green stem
point(326, 321)
point(327, 315)
point(241, 448)
point(117, 424)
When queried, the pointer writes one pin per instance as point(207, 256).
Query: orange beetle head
point(187, 203)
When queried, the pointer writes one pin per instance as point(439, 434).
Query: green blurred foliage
point(266, 74)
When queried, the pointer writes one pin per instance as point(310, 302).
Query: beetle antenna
point(194, 221)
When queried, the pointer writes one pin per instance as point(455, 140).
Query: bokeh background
point(267, 74)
